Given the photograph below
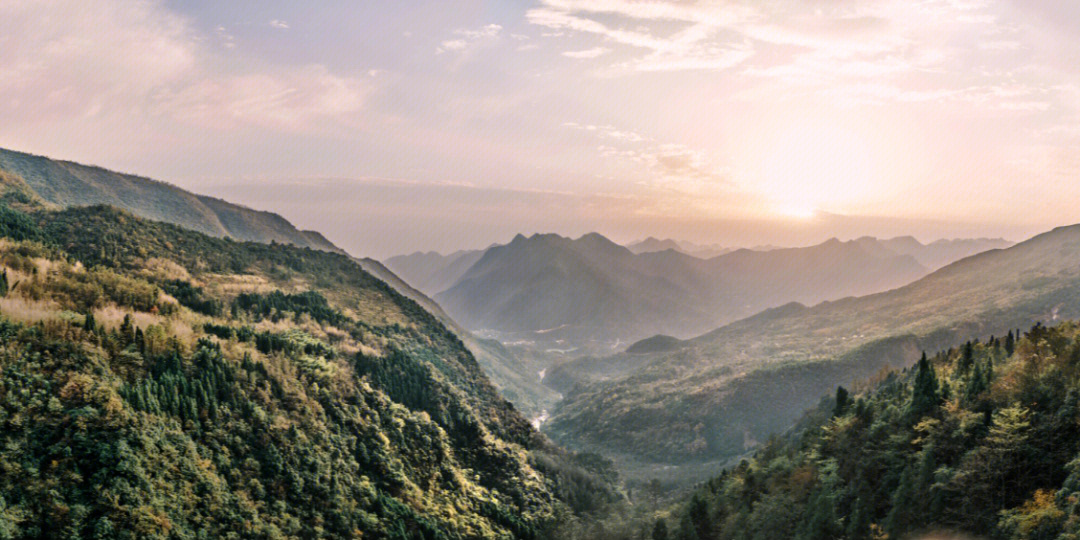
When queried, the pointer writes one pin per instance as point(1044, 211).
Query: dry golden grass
point(28, 310)
point(163, 269)
point(111, 317)
point(238, 283)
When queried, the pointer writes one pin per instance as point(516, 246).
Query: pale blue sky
point(397, 126)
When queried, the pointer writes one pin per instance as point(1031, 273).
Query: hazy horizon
point(429, 126)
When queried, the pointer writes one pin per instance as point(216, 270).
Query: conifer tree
point(966, 358)
point(924, 396)
point(821, 523)
point(858, 525)
point(127, 331)
point(976, 384)
point(659, 531)
point(843, 400)
point(1010, 343)
point(902, 515)
point(140, 341)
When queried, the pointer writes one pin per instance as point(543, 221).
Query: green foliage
point(277, 304)
point(192, 297)
point(998, 459)
point(117, 430)
point(842, 400)
point(924, 394)
point(18, 226)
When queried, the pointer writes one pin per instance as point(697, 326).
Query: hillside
point(940, 253)
point(977, 440)
point(592, 294)
point(63, 184)
point(165, 383)
point(432, 272)
point(513, 374)
point(720, 393)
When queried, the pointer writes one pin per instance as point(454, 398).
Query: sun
point(797, 211)
point(807, 168)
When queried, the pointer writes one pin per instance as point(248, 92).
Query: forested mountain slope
point(64, 183)
point(516, 378)
point(716, 395)
point(156, 382)
point(982, 439)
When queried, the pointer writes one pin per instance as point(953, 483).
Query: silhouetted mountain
point(716, 395)
point(652, 244)
point(432, 272)
point(942, 252)
point(701, 251)
point(591, 292)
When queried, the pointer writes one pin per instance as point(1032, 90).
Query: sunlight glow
point(810, 167)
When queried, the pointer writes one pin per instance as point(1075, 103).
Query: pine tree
point(924, 396)
point(858, 526)
point(89, 324)
point(659, 531)
point(3, 283)
point(699, 518)
point(842, 401)
point(1010, 343)
point(902, 515)
point(925, 482)
point(140, 341)
point(976, 385)
point(127, 331)
point(821, 523)
point(966, 358)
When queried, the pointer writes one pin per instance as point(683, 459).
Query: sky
point(398, 126)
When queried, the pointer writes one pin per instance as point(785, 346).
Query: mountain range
point(592, 294)
point(701, 251)
point(710, 398)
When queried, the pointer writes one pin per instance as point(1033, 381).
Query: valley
point(673, 407)
point(540, 270)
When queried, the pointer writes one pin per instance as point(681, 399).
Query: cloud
point(452, 45)
point(587, 53)
point(673, 167)
point(279, 24)
point(697, 46)
point(291, 99)
point(65, 59)
point(468, 41)
point(858, 51)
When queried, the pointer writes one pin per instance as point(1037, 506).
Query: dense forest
point(982, 439)
point(159, 383)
